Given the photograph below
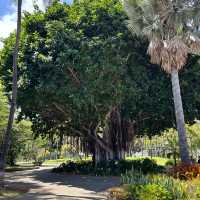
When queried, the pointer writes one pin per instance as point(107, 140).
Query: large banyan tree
point(82, 75)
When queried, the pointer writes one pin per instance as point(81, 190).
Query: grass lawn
point(63, 160)
point(54, 162)
point(159, 160)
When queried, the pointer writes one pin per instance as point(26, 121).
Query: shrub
point(111, 167)
point(139, 192)
point(170, 163)
point(148, 192)
point(150, 166)
point(185, 171)
point(175, 187)
point(38, 161)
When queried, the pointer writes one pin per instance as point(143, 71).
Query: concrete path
point(45, 185)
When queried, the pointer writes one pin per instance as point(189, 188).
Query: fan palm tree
point(171, 26)
point(6, 139)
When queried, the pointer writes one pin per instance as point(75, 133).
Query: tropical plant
point(21, 137)
point(176, 188)
point(6, 138)
point(171, 27)
point(185, 171)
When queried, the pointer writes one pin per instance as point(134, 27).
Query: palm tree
point(6, 139)
point(171, 26)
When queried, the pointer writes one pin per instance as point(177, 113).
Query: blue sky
point(8, 14)
point(6, 6)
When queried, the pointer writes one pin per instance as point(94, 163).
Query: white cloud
point(8, 22)
point(7, 25)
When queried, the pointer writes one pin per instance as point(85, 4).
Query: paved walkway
point(45, 185)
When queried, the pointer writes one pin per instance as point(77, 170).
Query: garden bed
point(109, 168)
point(182, 182)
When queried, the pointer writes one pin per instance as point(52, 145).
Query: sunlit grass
point(57, 161)
point(9, 194)
point(159, 160)
point(63, 160)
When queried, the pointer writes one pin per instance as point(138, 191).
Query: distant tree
point(21, 136)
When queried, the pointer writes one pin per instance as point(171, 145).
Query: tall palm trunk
point(180, 121)
point(6, 139)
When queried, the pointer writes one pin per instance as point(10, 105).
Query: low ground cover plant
point(162, 185)
point(112, 167)
point(138, 186)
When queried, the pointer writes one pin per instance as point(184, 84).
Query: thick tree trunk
point(6, 139)
point(180, 121)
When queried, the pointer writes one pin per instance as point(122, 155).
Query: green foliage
point(20, 136)
point(80, 59)
point(15, 148)
point(111, 167)
point(170, 163)
point(149, 192)
point(173, 189)
point(34, 149)
point(167, 141)
point(38, 161)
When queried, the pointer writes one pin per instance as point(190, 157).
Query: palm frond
point(142, 17)
point(154, 50)
point(193, 42)
point(174, 54)
point(171, 27)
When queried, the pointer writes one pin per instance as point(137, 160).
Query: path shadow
point(91, 183)
point(50, 196)
point(20, 186)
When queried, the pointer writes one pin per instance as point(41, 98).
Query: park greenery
point(90, 93)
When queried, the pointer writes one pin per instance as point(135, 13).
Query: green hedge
point(112, 167)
